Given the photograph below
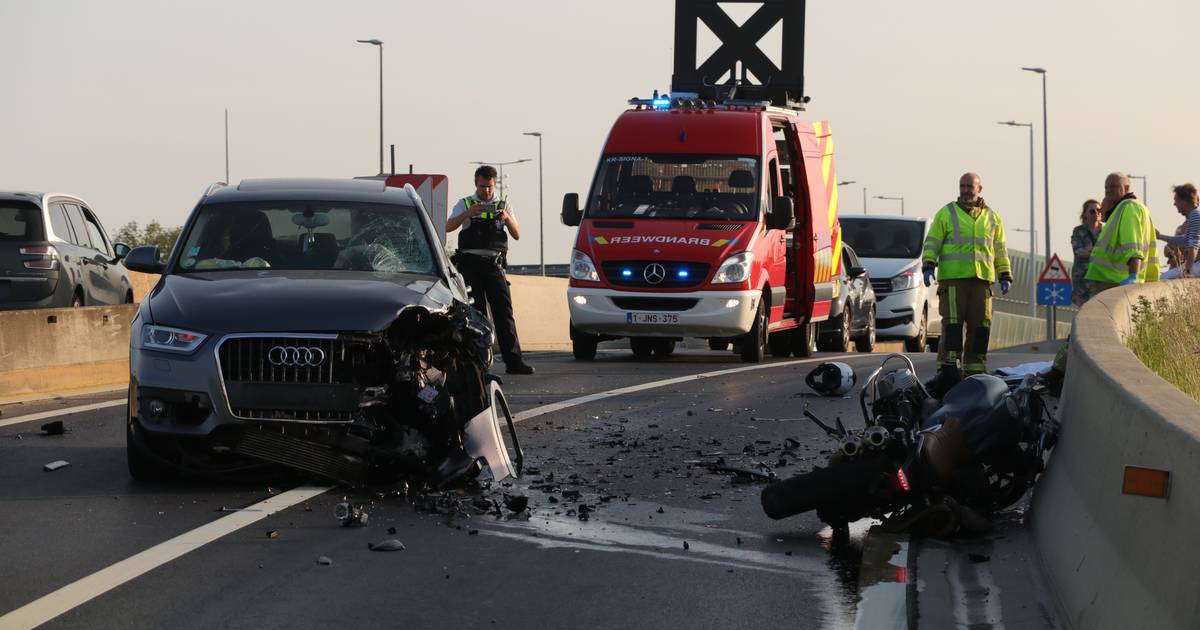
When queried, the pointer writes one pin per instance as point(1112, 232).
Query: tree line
point(152, 234)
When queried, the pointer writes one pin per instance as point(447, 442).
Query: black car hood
point(291, 301)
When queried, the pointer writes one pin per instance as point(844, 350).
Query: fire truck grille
point(644, 274)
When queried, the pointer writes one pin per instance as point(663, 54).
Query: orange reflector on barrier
point(1146, 482)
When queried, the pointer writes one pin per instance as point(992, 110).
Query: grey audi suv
point(316, 325)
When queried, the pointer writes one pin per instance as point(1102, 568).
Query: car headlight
point(582, 267)
point(736, 268)
point(909, 279)
point(171, 339)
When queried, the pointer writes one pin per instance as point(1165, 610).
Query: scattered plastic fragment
point(392, 531)
point(516, 502)
point(54, 428)
point(349, 513)
point(55, 465)
point(391, 544)
point(325, 561)
point(274, 533)
point(978, 557)
point(686, 546)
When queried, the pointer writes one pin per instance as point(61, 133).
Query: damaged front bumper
point(413, 401)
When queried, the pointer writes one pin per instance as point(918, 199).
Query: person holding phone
point(487, 222)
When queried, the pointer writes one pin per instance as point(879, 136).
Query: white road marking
point(81, 591)
point(77, 593)
point(567, 404)
point(61, 412)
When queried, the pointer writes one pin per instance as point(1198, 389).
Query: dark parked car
point(317, 325)
point(852, 317)
point(54, 252)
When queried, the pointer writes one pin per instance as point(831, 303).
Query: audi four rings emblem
point(654, 273)
point(293, 356)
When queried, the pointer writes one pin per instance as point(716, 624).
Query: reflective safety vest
point(963, 246)
point(485, 231)
point(1128, 234)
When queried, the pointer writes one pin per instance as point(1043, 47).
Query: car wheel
point(718, 344)
point(754, 343)
point(643, 347)
point(839, 341)
point(143, 465)
point(664, 347)
point(866, 341)
point(583, 349)
point(917, 344)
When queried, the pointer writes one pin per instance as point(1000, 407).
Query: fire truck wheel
point(781, 342)
point(643, 347)
point(754, 342)
point(804, 340)
point(584, 348)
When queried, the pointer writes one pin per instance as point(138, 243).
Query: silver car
point(889, 247)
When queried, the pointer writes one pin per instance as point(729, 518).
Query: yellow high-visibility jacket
point(965, 246)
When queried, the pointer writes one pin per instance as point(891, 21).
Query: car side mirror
point(120, 250)
point(144, 259)
point(570, 210)
point(782, 215)
point(855, 272)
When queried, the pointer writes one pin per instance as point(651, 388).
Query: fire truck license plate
point(652, 318)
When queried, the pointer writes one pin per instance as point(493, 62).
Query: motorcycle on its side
point(921, 463)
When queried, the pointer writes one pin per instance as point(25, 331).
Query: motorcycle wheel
point(835, 490)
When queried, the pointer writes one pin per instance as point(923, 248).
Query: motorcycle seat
point(975, 396)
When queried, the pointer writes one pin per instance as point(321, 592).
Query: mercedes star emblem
point(654, 273)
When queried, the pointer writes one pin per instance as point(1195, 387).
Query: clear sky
point(122, 102)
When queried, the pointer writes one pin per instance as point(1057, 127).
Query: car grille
point(614, 272)
point(654, 303)
point(881, 286)
point(261, 389)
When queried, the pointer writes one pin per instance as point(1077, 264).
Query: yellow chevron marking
point(720, 242)
point(601, 240)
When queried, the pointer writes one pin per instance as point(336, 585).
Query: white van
point(889, 247)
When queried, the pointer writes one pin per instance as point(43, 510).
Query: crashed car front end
point(412, 400)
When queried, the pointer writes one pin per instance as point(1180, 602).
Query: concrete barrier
point(1014, 330)
point(63, 350)
point(142, 283)
point(540, 309)
point(1117, 560)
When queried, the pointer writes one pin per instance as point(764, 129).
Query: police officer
point(966, 248)
point(482, 246)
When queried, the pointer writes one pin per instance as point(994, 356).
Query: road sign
point(1054, 271)
point(1054, 293)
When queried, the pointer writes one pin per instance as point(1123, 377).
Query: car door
point(96, 288)
point(115, 280)
point(72, 254)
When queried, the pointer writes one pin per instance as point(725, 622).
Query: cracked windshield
point(308, 235)
point(676, 187)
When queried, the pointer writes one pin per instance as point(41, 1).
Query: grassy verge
point(1166, 337)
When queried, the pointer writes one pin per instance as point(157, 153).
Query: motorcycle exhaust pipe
point(851, 446)
point(876, 437)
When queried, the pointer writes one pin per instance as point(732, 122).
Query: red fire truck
point(713, 212)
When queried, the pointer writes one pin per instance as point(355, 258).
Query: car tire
point(866, 341)
point(643, 348)
point(143, 465)
point(917, 344)
point(753, 344)
point(718, 344)
point(839, 341)
point(664, 348)
point(804, 340)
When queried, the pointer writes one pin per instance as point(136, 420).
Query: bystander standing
point(1187, 202)
point(1083, 239)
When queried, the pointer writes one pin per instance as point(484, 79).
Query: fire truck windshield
point(676, 187)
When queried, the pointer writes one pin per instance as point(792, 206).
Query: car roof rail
point(212, 188)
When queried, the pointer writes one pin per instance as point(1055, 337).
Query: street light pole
point(900, 199)
point(541, 205)
point(1051, 315)
point(501, 166)
point(1145, 193)
point(864, 199)
point(1033, 271)
point(376, 42)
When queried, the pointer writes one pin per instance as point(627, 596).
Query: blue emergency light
point(682, 273)
point(661, 103)
point(627, 273)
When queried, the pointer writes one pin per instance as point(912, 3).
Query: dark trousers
point(489, 287)
point(966, 309)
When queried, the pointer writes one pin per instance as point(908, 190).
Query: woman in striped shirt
point(1186, 202)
